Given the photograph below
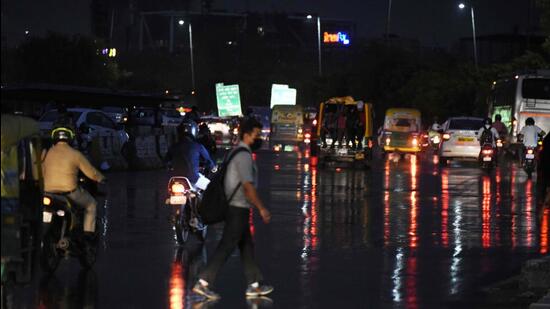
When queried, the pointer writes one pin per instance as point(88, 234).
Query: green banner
point(229, 100)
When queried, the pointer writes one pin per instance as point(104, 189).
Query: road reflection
point(183, 272)
point(66, 293)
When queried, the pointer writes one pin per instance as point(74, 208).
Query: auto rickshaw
point(360, 155)
point(401, 131)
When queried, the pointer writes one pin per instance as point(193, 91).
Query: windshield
point(401, 125)
point(466, 124)
point(536, 88)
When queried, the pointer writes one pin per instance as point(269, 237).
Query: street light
point(181, 22)
point(309, 17)
point(463, 6)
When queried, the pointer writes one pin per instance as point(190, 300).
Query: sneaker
point(261, 290)
point(205, 291)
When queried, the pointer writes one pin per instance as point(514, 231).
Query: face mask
point(257, 144)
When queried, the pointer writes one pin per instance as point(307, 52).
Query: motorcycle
point(435, 141)
point(185, 198)
point(487, 157)
point(63, 233)
point(529, 163)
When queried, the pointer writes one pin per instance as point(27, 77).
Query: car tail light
point(446, 136)
point(46, 201)
point(388, 141)
point(178, 188)
point(315, 122)
point(415, 142)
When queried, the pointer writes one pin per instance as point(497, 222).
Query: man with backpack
point(239, 183)
point(487, 135)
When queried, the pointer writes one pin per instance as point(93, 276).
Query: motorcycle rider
point(185, 155)
point(499, 126)
point(206, 139)
point(60, 168)
point(434, 130)
point(529, 135)
point(487, 135)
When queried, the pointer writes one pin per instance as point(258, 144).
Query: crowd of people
point(344, 122)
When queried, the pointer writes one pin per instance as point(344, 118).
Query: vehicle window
point(536, 88)
point(106, 122)
point(465, 124)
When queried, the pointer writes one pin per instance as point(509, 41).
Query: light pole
point(310, 17)
point(462, 6)
point(181, 22)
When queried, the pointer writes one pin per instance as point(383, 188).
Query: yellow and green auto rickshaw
point(401, 131)
point(327, 126)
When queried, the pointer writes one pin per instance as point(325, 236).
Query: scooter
point(529, 163)
point(185, 198)
point(487, 157)
point(62, 231)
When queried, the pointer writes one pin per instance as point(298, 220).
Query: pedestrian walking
point(241, 178)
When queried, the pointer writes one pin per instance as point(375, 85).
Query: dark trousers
point(350, 136)
point(236, 233)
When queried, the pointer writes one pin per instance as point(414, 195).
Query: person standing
point(351, 126)
point(361, 124)
point(341, 124)
point(241, 175)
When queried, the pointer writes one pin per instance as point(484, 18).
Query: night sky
point(436, 23)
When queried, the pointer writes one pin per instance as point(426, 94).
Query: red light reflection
point(445, 207)
point(412, 268)
point(414, 170)
point(528, 211)
point(413, 227)
point(486, 213)
point(177, 286)
point(544, 233)
point(387, 228)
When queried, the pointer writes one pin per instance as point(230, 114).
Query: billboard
point(282, 95)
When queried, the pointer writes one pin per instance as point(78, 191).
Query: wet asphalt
point(404, 234)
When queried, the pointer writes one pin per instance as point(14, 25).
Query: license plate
point(487, 159)
point(177, 200)
point(46, 217)
point(465, 139)
point(359, 156)
point(289, 148)
point(529, 156)
point(342, 151)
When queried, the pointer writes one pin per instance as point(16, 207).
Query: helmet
point(62, 134)
point(487, 121)
point(189, 128)
point(498, 117)
point(529, 121)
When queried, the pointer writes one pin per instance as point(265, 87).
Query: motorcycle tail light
point(446, 136)
point(487, 151)
point(178, 188)
point(46, 201)
point(308, 135)
point(530, 151)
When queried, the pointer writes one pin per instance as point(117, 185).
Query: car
point(146, 116)
point(223, 129)
point(98, 121)
point(117, 114)
point(460, 140)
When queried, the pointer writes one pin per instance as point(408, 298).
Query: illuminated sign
point(336, 38)
point(228, 99)
point(282, 95)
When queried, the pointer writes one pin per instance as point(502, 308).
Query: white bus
point(520, 97)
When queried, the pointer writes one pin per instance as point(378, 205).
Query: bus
point(520, 97)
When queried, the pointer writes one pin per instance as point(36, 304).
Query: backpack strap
point(226, 163)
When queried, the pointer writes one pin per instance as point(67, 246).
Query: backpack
point(214, 203)
point(486, 137)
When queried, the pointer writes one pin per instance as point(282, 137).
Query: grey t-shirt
point(241, 169)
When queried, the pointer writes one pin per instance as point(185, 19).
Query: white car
point(117, 114)
point(98, 122)
point(460, 139)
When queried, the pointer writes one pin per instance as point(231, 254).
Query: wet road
point(405, 234)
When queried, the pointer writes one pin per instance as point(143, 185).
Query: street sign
point(282, 95)
point(228, 99)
